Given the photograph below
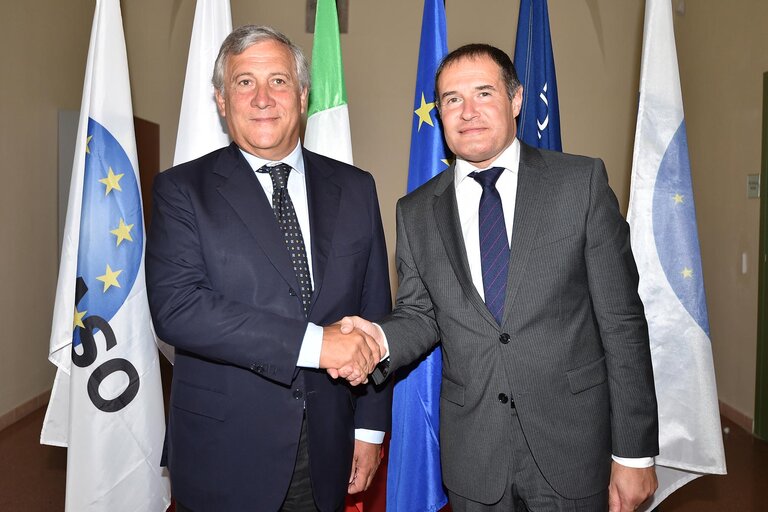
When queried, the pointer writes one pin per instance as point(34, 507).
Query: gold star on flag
point(123, 232)
point(87, 147)
point(78, 322)
point(109, 278)
point(678, 198)
point(112, 181)
point(423, 112)
point(687, 273)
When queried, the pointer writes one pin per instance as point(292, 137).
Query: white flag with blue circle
point(106, 406)
point(665, 243)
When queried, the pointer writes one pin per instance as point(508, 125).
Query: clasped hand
point(351, 350)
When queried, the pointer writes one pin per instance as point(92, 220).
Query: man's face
point(478, 117)
point(263, 102)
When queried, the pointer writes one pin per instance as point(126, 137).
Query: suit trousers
point(299, 497)
point(527, 489)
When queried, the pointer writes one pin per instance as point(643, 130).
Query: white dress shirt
point(311, 345)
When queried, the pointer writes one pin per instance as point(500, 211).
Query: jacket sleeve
point(613, 281)
point(374, 403)
point(411, 329)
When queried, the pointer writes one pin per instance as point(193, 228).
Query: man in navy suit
point(252, 249)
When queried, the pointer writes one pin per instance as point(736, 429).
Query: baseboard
point(736, 416)
point(28, 407)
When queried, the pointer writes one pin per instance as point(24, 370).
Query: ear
point(221, 103)
point(304, 97)
point(517, 101)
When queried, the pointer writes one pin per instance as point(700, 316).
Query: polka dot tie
point(289, 225)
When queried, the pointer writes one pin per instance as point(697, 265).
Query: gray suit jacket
point(572, 350)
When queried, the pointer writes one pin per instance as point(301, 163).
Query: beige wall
point(43, 47)
point(723, 53)
point(597, 47)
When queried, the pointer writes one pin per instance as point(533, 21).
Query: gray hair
point(246, 36)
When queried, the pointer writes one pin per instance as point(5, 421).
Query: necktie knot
point(279, 174)
point(487, 178)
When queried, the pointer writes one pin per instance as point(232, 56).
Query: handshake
point(352, 347)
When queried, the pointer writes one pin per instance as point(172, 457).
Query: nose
point(468, 110)
point(261, 98)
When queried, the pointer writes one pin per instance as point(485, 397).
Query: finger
point(334, 373)
point(347, 325)
point(353, 471)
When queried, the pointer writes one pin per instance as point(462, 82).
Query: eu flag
point(539, 121)
point(414, 481)
point(665, 244)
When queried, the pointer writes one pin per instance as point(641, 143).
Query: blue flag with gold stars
point(106, 405)
point(665, 244)
point(538, 124)
point(414, 478)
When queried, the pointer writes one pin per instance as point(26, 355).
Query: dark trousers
point(299, 497)
point(527, 490)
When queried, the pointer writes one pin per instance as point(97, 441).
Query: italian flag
point(327, 130)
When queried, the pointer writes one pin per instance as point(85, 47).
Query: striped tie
point(494, 248)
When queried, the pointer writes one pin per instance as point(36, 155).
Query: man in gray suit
point(518, 260)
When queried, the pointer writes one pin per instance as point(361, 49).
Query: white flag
point(328, 130)
point(666, 247)
point(201, 130)
point(107, 405)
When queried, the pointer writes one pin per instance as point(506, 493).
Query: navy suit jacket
point(222, 290)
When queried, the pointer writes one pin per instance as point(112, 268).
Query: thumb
point(347, 325)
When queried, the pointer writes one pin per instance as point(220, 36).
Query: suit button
point(297, 394)
point(291, 292)
point(258, 368)
point(503, 398)
point(504, 338)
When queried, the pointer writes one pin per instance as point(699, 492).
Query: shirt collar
point(509, 159)
point(295, 159)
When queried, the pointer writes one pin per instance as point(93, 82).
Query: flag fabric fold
point(539, 122)
point(665, 244)
point(328, 131)
point(106, 405)
point(201, 130)
point(414, 478)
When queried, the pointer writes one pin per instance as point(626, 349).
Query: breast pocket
point(350, 247)
point(554, 236)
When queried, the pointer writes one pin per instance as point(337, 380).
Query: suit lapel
point(242, 190)
point(323, 196)
point(531, 175)
point(448, 225)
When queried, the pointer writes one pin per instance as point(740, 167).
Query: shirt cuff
point(369, 436)
point(639, 462)
point(383, 340)
point(311, 346)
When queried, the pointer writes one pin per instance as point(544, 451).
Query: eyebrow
point(483, 87)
